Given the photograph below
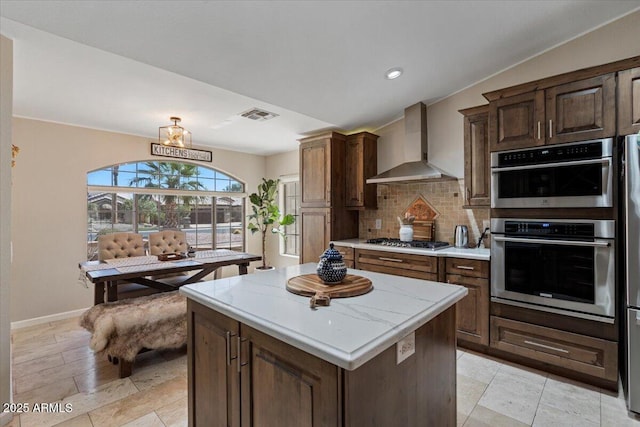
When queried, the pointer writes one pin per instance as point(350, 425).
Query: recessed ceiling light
point(393, 73)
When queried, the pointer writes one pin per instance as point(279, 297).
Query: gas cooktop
point(418, 244)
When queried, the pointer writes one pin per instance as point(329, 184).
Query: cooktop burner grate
point(419, 244)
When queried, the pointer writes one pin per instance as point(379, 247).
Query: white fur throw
point(125, 327)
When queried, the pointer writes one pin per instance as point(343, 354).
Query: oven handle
point(606, 160)
point(552, 242)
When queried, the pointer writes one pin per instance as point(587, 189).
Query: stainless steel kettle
point(461, 236)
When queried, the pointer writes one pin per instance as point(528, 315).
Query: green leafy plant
point(266, 214)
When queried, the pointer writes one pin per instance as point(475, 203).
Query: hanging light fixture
point(174, 135)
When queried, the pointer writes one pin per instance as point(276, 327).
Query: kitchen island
point(260, 356)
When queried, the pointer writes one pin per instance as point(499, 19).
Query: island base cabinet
point(253, 379)
point(419, 391)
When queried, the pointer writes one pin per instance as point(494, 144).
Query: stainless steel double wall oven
point(538, 261)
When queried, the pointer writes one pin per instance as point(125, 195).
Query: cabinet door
point(315, 173)
point(284, 386)
point(581, 110)
point(629, 101)
point(316, 231)
point(354, 172)
point(517, 121)
point(476, 157)
point(211, 357)
point(473, 309)
point(361, 163)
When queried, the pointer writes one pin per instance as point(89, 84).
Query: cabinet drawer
point(468, 267)
point(346, 252)
point(408, 265)
point(579, 353)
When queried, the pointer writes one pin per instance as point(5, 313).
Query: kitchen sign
point(181, 153)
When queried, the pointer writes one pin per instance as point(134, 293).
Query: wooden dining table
point(145, 270)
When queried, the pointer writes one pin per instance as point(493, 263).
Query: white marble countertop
point(480, 254)
point(349, 332)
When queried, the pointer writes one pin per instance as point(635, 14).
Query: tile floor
point(52, 363)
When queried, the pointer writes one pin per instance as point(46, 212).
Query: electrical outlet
point(486, 224)
point(405, 347)
point(378, 224)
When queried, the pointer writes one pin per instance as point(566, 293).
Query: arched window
point(149, 196)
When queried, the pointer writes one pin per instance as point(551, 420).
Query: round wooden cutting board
point(310, 285)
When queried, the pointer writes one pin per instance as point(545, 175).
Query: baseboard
point(46, 319)
point(5, 418)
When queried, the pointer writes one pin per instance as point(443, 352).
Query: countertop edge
point(467, 253)
point(348, 361)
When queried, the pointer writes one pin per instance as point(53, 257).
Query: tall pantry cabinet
point(323, 215)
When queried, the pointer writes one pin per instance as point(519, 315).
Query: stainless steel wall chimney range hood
point(415, 167)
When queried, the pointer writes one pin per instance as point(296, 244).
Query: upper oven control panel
point(552, 154)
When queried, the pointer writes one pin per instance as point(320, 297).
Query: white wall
point(615, 41)
point(49, 208)
point(6, 107)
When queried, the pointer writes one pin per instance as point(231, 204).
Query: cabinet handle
point(468, 194)
point(239, 345)
point(328, 195)
point(550, 128)
point(227, 340)
point(548, 347)
point(381, 258)
point(538, 129)
point(464, 267)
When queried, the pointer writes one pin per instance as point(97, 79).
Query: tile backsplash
point(447, 197)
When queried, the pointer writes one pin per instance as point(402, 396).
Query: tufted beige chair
point(124, 245)
point(168, 242)
point(120, 245)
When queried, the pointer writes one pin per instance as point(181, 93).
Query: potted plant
point(266, 215)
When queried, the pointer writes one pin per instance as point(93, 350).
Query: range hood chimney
point(415, 166)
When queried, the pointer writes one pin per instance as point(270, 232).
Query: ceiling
point(126, 66)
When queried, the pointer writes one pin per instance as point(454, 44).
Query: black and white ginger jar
point(331, 268)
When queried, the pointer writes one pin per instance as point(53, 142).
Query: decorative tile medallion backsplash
point(445, 197)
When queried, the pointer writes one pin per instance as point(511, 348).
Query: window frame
point(135, 190)
point(287, 179)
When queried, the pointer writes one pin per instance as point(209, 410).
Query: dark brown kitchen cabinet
point(319, 226)
point(261, 377)
point(629, 101)
point(573, 111)
point(210, 352)
point(361, 163)
point(581, 110)
point(323, 215)
point(315, 226)
point(477, 172)
point(516, 121)
point(284, 386)
point(322, 165)
point(401, 264)
point(473, 309)
point(347, 253)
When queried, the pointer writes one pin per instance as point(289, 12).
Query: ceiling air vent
point(258, 114)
